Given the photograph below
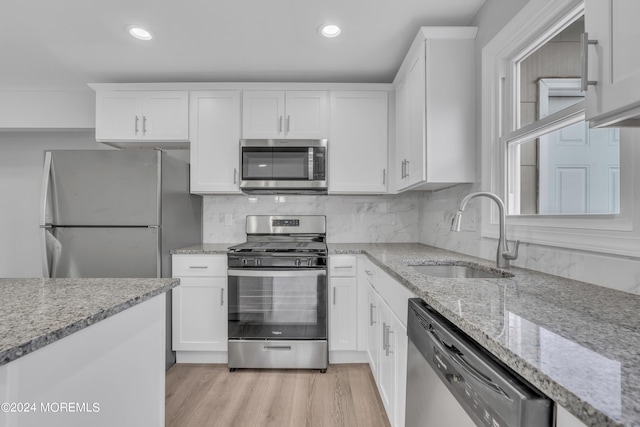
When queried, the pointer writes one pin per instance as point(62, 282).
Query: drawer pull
point(198, 266)
point(343, 266)
point(276, 348)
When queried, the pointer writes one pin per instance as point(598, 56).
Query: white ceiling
point(65, 44)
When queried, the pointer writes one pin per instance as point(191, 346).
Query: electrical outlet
point(468, 222)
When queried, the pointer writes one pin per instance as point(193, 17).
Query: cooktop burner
point(279, 247)
point(282, 242)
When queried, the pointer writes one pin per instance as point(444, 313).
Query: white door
point(200, 314)
point(118, 115)
point(388, 362)
point(358, 130)
point(165, 115)
point(263, 114)
point(614, 62)
point(403, 125)
point(215, 142)
point(579, 167)
point(343, 314)
point(416, 165)
point(306, 115)
point(373, 331)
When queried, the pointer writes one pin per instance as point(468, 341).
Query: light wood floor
point(210, 395)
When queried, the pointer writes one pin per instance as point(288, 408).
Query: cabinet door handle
point(334, 296)
point(136, 126)
point(371, 321)
point(384, 176)
point(384, 336)
point(407, 168)
point(584, 61)
point(235, 175)
point(221, 296)
point(404, 169)
point(280, 124)
point(288, 123)
point(144, 124)
point(389, 331)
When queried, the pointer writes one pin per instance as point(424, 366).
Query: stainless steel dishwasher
point(452, 381)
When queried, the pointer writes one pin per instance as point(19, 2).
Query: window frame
point(617, 234)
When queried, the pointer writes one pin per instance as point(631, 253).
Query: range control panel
point(285, 223)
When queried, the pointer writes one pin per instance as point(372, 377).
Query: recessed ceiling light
point(329, 30)
point(139, 32)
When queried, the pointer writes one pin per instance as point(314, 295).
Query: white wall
point(438, 207)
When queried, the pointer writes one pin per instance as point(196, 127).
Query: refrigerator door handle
point(46, 181)
point(51, 250)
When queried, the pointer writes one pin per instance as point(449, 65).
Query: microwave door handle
point(310, 174)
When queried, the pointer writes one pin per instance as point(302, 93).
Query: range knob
point(258, 262)
point(298, 262)
point(243, 261)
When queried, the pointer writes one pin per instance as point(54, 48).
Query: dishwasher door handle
point(456, 356)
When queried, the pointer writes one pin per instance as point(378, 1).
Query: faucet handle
point(511, 255)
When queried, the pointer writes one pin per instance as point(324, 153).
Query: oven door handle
point(259, 272)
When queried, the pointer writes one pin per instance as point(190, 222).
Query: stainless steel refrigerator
point(116, 213)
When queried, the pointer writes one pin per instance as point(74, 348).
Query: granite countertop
point(576, 342)
point(38, 312)
point(204, 248)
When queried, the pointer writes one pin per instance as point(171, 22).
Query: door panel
point(105, 187)
point(105, 252)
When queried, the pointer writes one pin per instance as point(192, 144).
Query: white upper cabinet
point(271, 114)
point(142, 116)
point(215, 146)
point(358, 131)
point(614, 62)
point(435, 117)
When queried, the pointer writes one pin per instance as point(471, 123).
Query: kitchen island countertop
point(37, 312)
point(578, 343)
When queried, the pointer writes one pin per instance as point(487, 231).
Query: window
point(565, 184)
point(556, 165)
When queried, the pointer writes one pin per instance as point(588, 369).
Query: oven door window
point(277, 305)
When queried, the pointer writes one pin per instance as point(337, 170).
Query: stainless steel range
point(278, 294)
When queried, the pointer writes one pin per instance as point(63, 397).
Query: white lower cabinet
point(565, 419)
point(200, 308)
point(373, 329)
point(344, 308)
point(387, 338)
point(343, 298)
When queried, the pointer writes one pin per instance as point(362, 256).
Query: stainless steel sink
point(458, 271)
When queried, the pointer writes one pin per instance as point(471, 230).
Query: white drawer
point(199, 265)
point(342, 265)
point(371, 271)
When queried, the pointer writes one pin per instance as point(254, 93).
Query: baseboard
point(337, 357)
point(201, 357)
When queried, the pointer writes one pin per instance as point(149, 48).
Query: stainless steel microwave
point(281, 166)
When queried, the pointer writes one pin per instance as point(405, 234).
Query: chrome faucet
point(504, 255)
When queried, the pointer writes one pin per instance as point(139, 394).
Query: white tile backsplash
point(423, 217)
point(350, 219)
